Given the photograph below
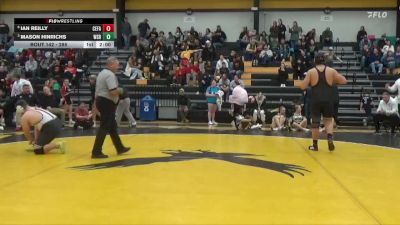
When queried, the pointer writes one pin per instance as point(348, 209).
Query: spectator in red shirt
point(83, 117)
point(70, 68)
point(69, 54)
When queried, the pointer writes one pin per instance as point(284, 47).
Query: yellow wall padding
point(303, 4)
point(184, 4)
point(55, 5)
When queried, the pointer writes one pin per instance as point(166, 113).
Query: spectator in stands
point(211, 94)
point(365, 41)
point(17, 86)
point(209, 53)
point(299, 65)
point(375, 62)
point(311, 50)
point(66, 99)
point(192, 75)
point(279, 120)
point(57, 70)
point(31, 67)
point(265, 56)
point(389, 61)
point(244, 38)
point(3, 70)
point(204, 82)
point(45, 64)
point(387, 47)
point(382, 41)
point(330, 56)
point(295, 33)
point(47, 100)
point(30, 99)
point(310, 36)
point(397, 56)
point(260, 110)
point(223, 84)
point(365, 52)
point(327, 37)
point(235, 82)
point(143, 28)
point(221, 62)
point(361, 34)
point(366, 105)
point(170, 42)
point(387, 111)
point(183, 106)
point(70, 73)
point(219, 37)
point(178, 35)
point(283, 50)
point(157, 62)
point(83, 117)
point(224, 69)
point(273, 37)
point(4, 30)
point(133, 69)
point(283, 74)
point(282, 30)
point(250, 51)
point(298, 122)
point(238, 67)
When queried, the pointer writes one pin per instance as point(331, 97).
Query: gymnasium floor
point(195, 175)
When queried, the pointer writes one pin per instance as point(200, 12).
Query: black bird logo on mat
point(179, 155)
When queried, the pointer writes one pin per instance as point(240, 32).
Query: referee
point(107, 96)
point(322, 80)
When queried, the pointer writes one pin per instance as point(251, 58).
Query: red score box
point(108, 27)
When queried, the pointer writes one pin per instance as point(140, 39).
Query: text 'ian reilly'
point(33, 28)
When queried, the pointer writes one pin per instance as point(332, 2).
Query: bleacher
point(256, 79)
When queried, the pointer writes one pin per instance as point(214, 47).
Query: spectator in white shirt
point(395, 87)
point(387, 111)
point(31, 66)
point(19, 82)
point(220, 61)
point(235, 82)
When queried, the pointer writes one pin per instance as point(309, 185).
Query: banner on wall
point(327, 18)
point(189, 19)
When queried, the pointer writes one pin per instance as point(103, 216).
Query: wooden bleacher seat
point(261, 70)
point(141, 82)
point(297, 83)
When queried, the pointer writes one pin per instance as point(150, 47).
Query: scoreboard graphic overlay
point(64, 33)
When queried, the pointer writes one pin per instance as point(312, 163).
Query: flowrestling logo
point(180, 155)
point(377, 15)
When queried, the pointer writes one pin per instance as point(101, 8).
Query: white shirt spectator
point(394, 88)
point(31, 66)
point(233, 84)
point(387, 48)
point(16, 88)
point(219, 64)
point(389, 108)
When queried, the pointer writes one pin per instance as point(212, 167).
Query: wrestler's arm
point(26, 129)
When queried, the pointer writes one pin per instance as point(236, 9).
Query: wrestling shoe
point(61, 147)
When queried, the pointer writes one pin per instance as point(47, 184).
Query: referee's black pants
point(108, 125)
point(393, 120)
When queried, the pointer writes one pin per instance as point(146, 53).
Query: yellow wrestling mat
point(201, 179)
